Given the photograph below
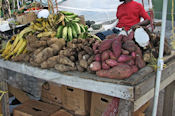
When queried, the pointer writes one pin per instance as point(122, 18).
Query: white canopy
point(96, 10)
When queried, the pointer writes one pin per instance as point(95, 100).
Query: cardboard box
point(99, 104)
point(26, 18)
point(35, 108)
point(76, 100)
point(62, 113)
point(51, 93)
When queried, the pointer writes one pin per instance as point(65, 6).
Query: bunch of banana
point(16, 45)
point(72, 30)
point(70, 17)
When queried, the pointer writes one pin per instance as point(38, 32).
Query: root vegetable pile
point(118, 57)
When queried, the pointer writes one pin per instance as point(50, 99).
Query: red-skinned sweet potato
point(130, 62)
point(112, 56)
point(133, 54)
point(119, 72)
point(134, 68)
point(105, 66)
point(97, 57)
point(124, 58)
point(131, 35)
point(95, 66)
point(105, 45)
point(140, 63)
point(129, 45)
point(111, 62)
point(95, 47)
point(116, 48)
point(125, 52)
point(105, 55)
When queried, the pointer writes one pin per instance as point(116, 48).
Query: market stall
point(59, 48)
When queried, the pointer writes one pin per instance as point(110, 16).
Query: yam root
point(80, 55)
point(89, 50)
point(37, 51)
point(72, 58)
point(67, 52)
point(120, 71)
point(90, 60)
point(83, 63)
point(79, 68)
point(64, 68)
point(38, 44)
point(43, 55)
point(65, 60)
point(59, 42)
point(50, 63)
point(86, 57)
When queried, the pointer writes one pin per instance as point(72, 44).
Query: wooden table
point(134, 91)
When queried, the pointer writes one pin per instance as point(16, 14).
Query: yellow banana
point(15, 42)
point(44, 34)
point(22, 48)
point(60, 19)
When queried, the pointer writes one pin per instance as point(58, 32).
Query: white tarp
point(97, 10)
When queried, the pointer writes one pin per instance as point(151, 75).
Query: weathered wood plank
point(125, 108)
point(5, 99)
point(73, 80)
point(168, 99)
point(148, 83)
point(147, 96)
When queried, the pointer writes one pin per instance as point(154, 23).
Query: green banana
point(65, 32)
point(76, 20)
point(77, 27)
point(59, 31)
point(71, 16)
point(74, 33)
point(70, 34)
point(66, 13)
point(82, 28)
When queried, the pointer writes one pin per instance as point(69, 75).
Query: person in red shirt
point(129, 14)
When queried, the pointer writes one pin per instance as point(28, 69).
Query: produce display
point(117, 57)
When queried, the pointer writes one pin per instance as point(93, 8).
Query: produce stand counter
point(134, 91)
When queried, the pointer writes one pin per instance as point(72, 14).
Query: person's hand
point(134, 27)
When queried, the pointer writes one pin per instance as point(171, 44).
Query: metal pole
point(160, 59)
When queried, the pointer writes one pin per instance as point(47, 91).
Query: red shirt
point(130, 13)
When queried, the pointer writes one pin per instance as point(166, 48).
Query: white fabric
point(96, 10)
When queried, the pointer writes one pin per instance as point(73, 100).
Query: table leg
point(126, 108)
point(168, 99)
point(5, 99)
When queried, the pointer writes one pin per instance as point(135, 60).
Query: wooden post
point(5, 99)
point(6, 8)
point(168, 99)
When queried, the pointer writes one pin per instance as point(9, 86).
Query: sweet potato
point(131, 35)
point(130, 62)
point(134, 68)
point(116, 48)
point(97, 57)
point(119, 72)
point(125, 52)
point(105, 66)
point(105, 45)
point(112, 56)
point(64, 68)
point(105, 55)
point(133, 54)
point(125, 38)
point(124, 58)
point(129, 45)
point(140, 63)
point(111, 36)
point(111, 62)
point(65, 60)
point(95, 66)
point(95, 47)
